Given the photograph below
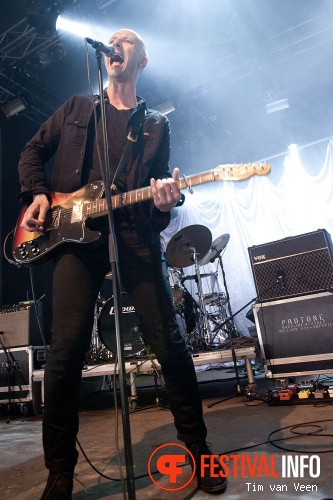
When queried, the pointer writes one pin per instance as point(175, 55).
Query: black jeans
point(77, 279)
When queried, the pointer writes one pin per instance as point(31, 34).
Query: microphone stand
point(113, 257)
point(219, 326)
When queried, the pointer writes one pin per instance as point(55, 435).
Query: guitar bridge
point(52, 219)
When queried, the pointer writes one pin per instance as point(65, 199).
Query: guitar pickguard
point(64, 224)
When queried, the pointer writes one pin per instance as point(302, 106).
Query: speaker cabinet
point(293, 266)
point(296, 335)
point(22, 325)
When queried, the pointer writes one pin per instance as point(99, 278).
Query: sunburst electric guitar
point(66, 219)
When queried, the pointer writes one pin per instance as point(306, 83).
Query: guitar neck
point(235, 172)
point(98, 207)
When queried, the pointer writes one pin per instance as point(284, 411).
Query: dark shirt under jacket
point(117, 131)
point(65, 135)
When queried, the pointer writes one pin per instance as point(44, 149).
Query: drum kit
point(198, 314)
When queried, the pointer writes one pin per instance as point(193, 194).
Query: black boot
point(207, 483)
point(59, 486)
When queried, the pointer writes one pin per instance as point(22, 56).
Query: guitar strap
point(136, 122)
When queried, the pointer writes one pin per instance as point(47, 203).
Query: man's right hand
point(34, 217)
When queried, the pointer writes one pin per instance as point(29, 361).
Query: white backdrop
point(254, 212)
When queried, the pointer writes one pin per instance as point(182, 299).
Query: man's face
point(130, 56)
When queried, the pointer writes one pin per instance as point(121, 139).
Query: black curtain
point(16, 282)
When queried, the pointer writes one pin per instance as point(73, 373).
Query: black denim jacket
point(64, 136)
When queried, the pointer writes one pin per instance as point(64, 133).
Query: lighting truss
point(41, 104)
point(21, 42)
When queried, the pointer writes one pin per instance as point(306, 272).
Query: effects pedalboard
point(300, 393)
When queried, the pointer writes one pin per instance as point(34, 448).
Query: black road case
point(296, 335)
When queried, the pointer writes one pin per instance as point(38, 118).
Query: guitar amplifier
point(22, 325)
point(293, 266)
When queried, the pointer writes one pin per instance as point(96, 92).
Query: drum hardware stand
point(133, 399)
point(221, 303)
point(201, 342)
point(229, 320)
point(182, 251)
point(203, 317)
point(97, 353)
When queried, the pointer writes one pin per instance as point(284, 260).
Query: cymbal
point(179, 251)
point(216, 248)
point(213, 298)
point(195, 277)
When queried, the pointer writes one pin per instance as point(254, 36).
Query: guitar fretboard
point(130, 198)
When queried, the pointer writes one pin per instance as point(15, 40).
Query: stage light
point(292, 148)
point(14, 106)
point(83, 30)
point(43, 14)
point(79, 29)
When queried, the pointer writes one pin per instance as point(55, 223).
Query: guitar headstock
point(240, 171)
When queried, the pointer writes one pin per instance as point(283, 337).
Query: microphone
point(106, 49)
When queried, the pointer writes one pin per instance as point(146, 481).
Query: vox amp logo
point(259, 257)
point(169, 460)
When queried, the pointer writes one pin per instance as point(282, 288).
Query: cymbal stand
point(216, 302)
point(203, 322)
point(225, 286)
point(230, 328)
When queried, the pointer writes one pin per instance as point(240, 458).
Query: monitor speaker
point(22, 325)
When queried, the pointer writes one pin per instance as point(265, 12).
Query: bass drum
point(106, 327)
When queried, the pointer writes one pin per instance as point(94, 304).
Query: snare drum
point(106, 327)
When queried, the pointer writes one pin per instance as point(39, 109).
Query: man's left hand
point(166, 192)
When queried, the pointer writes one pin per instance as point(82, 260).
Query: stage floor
point(239, 426)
